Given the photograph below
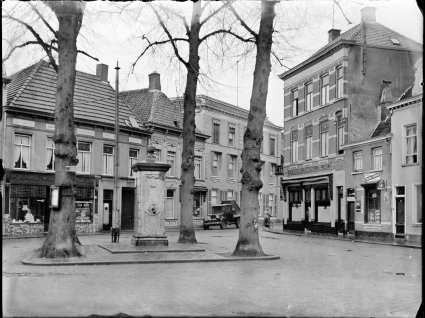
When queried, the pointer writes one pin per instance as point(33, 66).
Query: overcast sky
point(112, 39)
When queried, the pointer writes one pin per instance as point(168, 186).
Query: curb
point(43, 262)
point(334, 237)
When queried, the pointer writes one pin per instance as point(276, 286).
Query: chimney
point(154, 81)
point(102, 72)
point(368, 14)
point(333, 34)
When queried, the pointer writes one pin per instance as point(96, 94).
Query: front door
point(399, 216)
point(107, 209)
point(350, 217)
point(127, 209)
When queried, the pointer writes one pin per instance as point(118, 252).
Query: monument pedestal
point(149, 218)
point(149, 241)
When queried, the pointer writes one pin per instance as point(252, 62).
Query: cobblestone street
point(313, 277)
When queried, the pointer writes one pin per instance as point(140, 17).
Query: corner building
point(331, 100)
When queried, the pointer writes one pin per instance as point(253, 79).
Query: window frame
point(50, 150)
point(215, 131)
point(356, 160)
point(295, 102)
point(375, 156)
point(232, 160)
point(232, 135)
point(21, 145)
point(272, 145)
point(308, 97)
point(414, 155)
point(339, 82)
point(172, 171)
point(109, 157)
point(216, 157)
point(324, 90)
point(130, 160)
point(84, 154)
point(198, 175)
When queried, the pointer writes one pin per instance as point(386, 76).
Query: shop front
point(309, 204)
point(27, 201)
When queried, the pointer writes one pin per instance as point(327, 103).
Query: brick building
point(27, 129)
point(331, 100)
point(407, 163)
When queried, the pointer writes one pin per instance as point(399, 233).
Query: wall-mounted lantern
point(54, 197)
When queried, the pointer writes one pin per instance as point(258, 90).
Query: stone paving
point(313, 277)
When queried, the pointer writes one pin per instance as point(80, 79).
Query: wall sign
point(372, 177)
point(351, 199)
point(381, 185)
point(23, 122)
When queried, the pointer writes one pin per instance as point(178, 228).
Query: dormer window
point(395, 41)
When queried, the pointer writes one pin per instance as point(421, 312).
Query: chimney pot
point(154, 81)
point(102, 72)
point(368, 14)
point(333, 34)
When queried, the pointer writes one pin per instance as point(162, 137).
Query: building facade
point(226, 125)
point(407, 163)
point(28, 150)
point(330, 100)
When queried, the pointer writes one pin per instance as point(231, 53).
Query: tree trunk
point(248, 243)
point(61, 239)
point(187, 231)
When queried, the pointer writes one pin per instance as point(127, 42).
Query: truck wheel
point(237, 223)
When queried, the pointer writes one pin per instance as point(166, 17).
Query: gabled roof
point(376, 35)
point(383, 128)
point(34, 89)
point(223, 106)
point(153, 107)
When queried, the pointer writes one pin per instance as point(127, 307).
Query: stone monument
point(149, 220)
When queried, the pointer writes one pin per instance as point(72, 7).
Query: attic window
point(176, 123)
point(133, 122)
point(395, 41)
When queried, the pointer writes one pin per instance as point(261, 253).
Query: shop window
point(322, 194)
point(22, 150)
point(373, 206)
point(358, 160)
point(377, 158)
point(83, 156)
point(27, 198)
point(294, 196)
point(133, 157)
point(84, 211)
point(50, 154)
point(197, 204)
point(308, 96)
point(231, 136)
point(198, 167)
point(171, 160)
point(108, 160)
point(411, 144)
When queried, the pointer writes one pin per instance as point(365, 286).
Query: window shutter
point(211, 163)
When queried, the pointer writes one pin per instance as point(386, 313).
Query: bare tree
point(248, 243)
point(194, 40)
point(61, 240)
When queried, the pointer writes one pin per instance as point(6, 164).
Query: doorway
point(107, 209)
point(400, 222)
point(127, 209)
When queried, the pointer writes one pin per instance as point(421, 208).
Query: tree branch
point(161, 22)
point(173, 12)
point(41, 17)
point(152, 44)
point(255, 35)
point(279, 60)
point(18, 47)
point(342, 11)
point(226, 4)
point(46, 47)
point(78, 51)
point(251, 40)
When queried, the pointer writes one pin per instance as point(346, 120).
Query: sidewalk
point(401, 243)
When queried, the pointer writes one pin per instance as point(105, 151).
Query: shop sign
point(108, 135)
point(351, 199)
point(372, 177)
point(23, 122)
point(87, 132)
point(45, 179)
point(321, 167)
point(381, 185)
